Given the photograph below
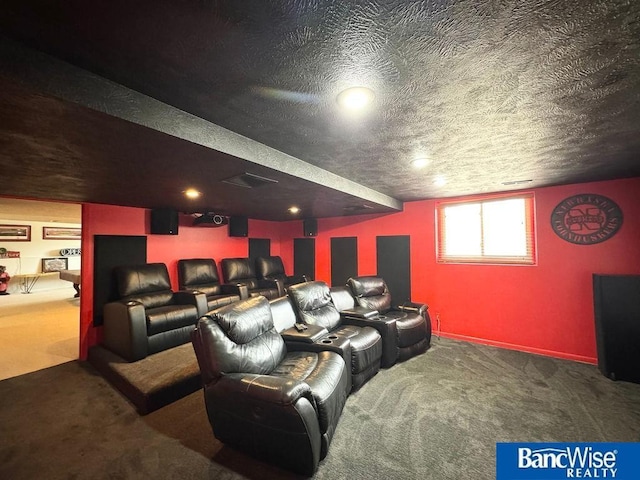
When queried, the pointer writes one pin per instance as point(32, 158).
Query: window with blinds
point(492, 230)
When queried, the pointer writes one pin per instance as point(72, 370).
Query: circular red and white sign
point(586, 219)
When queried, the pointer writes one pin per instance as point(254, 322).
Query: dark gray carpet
point(436, 416)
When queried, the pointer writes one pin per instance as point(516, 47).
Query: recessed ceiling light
point(419, 163)
point(355, 98)
point(192, 193)
point(439, 181)
point(294, 210)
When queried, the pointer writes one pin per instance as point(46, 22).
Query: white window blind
point(491, 230)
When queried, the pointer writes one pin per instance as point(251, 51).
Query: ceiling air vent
point(249, 180)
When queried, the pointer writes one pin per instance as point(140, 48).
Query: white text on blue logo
point(578, 462)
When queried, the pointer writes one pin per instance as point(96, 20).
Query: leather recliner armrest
point(239, 289)
point(387, 329)
point(192, 297)
point(312, 334)
point(263, 388)
point(359, 312)
point(271, 283)
point(125, 330)
point(293, 279)
point(419, 308)
point(246, 409)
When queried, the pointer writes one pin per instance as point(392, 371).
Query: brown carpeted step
point(154, 381)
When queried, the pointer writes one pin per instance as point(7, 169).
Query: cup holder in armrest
point(382, 317)
point(334, 343)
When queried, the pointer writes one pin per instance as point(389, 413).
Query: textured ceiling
point(489, 91)
point(15, 209)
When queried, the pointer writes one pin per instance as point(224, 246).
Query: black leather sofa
point(252, 387)
point(279, 405)
point(242, 273)
point(201, 274)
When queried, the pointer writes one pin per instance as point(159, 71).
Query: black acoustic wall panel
point(344, 259)
point(259, 247)
point(238, 226)
point(164, 221)
point(304, 257)
point(616, 300)
point(394, 265)
point(110, 251)
point(310, 227)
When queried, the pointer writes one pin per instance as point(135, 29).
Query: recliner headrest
point(283, 313)
point(237, 269)
point(310, 295)
point(197, 271)
point(142, 279)
point(245, 320)
point(367, 286)
point(342, 298)
point(269, 266)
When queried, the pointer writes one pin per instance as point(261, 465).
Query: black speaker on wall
point(238, 226)
point(164, 221)
point(310, 226)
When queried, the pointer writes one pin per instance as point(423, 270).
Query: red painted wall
point(192, 242)
point(546, 308)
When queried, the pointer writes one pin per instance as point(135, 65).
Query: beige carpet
point(38, 330)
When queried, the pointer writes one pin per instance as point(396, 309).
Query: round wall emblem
point(586, 219)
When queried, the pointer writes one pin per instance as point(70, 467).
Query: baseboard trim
point(521, 348)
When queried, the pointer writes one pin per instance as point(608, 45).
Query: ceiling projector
point(209, 219)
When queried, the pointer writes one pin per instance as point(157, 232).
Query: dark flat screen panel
point(344, 259)
point(259, 247)
point(394, 265)
point(617, 315)
point(111, 251)
point(304, 257)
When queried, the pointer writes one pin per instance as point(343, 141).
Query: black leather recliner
point(241, 271)
point(313, 338)
point(412, 322)
point(272, 268)
point(149, 317)
point(315, 307)
point(353, 314)
point(201, 274)
point(281, 407)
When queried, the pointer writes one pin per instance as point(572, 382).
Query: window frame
point(530, 232)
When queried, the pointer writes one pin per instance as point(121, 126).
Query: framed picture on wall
point(15, 233)
point(54, 264)
point(61, 233)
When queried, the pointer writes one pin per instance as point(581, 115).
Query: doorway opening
point(40, 316)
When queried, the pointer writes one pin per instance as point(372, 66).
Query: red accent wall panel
point(545, 308)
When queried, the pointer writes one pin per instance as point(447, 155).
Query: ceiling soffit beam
point(63, 80)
